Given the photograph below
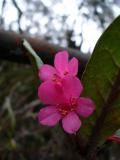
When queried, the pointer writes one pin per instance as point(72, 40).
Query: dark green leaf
point(101, 80)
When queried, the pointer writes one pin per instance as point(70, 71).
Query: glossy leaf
point(101, 80)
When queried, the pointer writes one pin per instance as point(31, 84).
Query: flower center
point(66, 108)
point(56, 79)
point(65, 73)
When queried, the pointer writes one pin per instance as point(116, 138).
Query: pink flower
point(62, 68)
point(63, 103)
point(114, 138)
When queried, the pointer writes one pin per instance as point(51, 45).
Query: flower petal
point(85, 107)
point(73, 66)
point(114, 138)
point(50, 93)
point(72, 86)
point(49, 116)
point(61, 61)
point(46, 72)
point(71, 123)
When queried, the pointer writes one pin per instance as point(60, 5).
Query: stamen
point(73, 101)
point(56, 79)
point(64, 109)
point(65, 73)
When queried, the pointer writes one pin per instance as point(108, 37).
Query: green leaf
point(101, 80)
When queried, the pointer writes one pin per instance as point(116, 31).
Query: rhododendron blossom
point(63, 103)
point(114, 138)
point(62, 68)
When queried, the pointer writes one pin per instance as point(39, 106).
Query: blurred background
point(76, 24)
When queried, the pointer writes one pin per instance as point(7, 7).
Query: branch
point(19, 14)
point(11, 49)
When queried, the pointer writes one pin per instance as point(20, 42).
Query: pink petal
point(46, 72)
point(114, 138)
point(73, 66)
point(61, 61)
point(85, 107)
point(72, 86)
point(49, 116)
point(71, 123)
point(50, 93)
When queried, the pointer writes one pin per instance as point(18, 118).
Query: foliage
point(102, 83)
